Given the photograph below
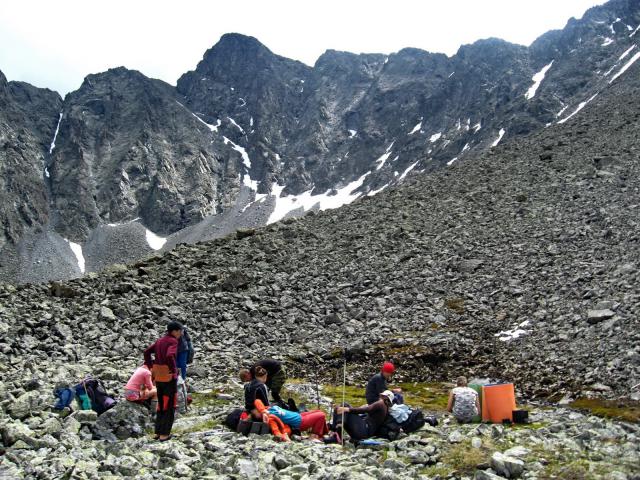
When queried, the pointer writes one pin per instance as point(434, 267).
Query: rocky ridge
point(250, 137)
point(521, 264)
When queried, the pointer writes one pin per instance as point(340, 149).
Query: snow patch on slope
point(416, 128)
point(384, 157)
point(435, 137)
point(155, 241)
point(497, 140)
point(306, 201)
point(580, 107)
point(516, 332)
point(76, 248)
point(240, 150)
point(55, 135)
point(233, 122)
point(537, 80)
point(626, 66)
point(626, 52)
point(406, 172)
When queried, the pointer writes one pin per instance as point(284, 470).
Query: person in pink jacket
point(140, 387)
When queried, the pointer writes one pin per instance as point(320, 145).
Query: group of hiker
point(155, 383)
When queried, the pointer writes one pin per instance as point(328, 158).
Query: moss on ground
point(426, 396)
point(203, 426)
point(461, 459)
point(207, 399)
point(623, 409)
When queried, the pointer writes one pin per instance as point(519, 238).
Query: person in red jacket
point(161, 358)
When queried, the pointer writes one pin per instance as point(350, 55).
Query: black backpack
point(390, 429)
point(417, 420)
point(233, 418)
point(101, 401)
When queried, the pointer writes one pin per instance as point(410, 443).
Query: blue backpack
point(64, 397)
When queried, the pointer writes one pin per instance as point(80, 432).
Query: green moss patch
point(208, 399)
point(455, 304)
point(427, 396)
point(623, 409)
point(465, 459)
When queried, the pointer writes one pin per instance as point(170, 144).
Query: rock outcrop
point(250, 137)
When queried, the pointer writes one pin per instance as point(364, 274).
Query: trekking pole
point(344, 387)
point(317, 388)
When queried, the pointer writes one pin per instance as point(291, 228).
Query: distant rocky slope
point(520, 264)
point(128, 165)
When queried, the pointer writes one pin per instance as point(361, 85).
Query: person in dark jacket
point(276, 376)
point(161, 358)
point(361, 427)
point(256, 390)
point(185, 352)
point(378, 383)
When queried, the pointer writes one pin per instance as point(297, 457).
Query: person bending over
point(276, 376)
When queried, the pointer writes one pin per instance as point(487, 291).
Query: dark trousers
point(275, 384)
point(167, 400)
point(356, 425)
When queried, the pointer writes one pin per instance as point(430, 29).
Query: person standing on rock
point(463, 402)
point(378, 383)
point(275, 376)
point(161, 358)
point(185, 352)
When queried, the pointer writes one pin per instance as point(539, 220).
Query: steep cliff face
point(250, 137)
point(28, 118)
point(129, 148)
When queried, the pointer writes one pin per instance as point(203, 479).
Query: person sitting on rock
point(256, 389)
point(362, 427)
point(463, 401)
point(140, 388)
point(313, 421)
point(378, 384)
point(275, 376)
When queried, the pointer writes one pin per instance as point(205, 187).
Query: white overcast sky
point(55, 44)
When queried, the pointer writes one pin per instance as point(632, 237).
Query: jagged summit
point(253, 137)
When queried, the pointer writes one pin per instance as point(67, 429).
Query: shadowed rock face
point(519, 264)
point(129, 148)
point(28, 118)
point(194, 161)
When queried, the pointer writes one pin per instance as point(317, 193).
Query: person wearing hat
point(378, 383)
point(161, 359)
point(361, 427)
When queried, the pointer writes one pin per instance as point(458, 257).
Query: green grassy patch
point(423, 395)
point(455, 304)
point(198, 427)
point(465, 459)
point(208, 399)
point(623, 409)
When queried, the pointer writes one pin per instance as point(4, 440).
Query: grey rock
point(85, 416)
point(509, 467)
point(25, 405)
point(595, 316)
point(123, 421)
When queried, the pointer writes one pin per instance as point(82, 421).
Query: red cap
point(388, 367)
